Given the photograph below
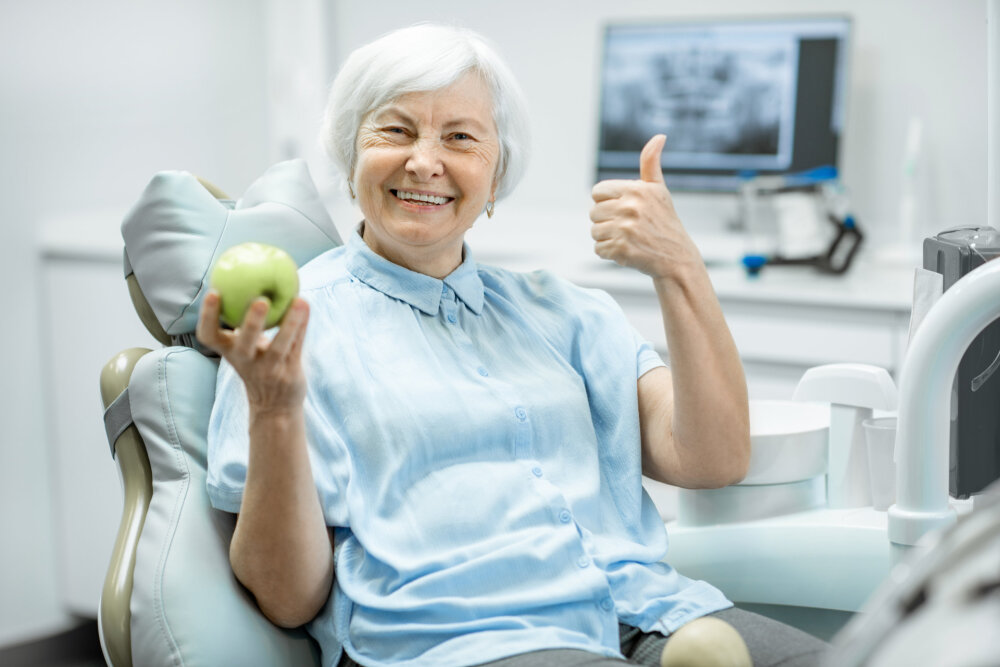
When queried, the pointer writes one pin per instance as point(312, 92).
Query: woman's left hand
point(635, 223)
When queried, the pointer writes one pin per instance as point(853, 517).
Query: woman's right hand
point(271, 369)
point(281, 549)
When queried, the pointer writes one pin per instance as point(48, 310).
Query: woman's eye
point(461, 136)
point(393, 131)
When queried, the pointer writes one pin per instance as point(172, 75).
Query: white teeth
point(430, 199)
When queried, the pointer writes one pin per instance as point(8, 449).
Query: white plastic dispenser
point(853, 391)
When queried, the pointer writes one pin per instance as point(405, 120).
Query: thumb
point(650, 169)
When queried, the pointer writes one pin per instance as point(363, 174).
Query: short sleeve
point(228, 441)
point(646, 356)
point(328, 455)
point(229, 449)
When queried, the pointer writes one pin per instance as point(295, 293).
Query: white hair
point(424, 58)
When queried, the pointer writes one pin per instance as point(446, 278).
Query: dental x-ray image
point(725, 101)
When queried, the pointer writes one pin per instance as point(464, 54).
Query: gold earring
point(489, 208)
point(350, 189)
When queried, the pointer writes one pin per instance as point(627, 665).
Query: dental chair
point(170, 597)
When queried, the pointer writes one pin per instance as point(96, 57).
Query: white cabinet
point(791, 319)
point(87, 318)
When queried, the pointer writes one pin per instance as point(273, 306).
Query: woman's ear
point(349, 181)
point(496, 183)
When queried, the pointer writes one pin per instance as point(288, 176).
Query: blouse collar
point(420, 291)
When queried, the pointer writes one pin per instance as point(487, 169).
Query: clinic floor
point(79, 647)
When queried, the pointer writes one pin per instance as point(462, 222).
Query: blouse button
point(607, 604)
point(452, 318)
point(536, 471)
point(521, 414)
point(582, 562)
point(565, 516)
point(482, 371)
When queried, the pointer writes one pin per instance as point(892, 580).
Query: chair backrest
point(170, 597)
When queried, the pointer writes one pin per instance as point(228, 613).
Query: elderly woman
point(444, 467)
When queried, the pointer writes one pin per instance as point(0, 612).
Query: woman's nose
point(425, 160)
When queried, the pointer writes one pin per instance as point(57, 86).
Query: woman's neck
point(435, 262)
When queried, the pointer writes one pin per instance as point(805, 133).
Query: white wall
point(94, 98)
point(923, 58)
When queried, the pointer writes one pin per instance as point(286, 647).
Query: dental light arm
point(923, 436)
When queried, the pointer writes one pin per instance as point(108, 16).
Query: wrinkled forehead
point(467, 99)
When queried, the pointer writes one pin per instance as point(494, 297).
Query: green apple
point(249, 271)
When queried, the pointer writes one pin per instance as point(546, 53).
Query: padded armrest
point(115, 616)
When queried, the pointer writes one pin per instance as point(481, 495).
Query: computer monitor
point(734, 97)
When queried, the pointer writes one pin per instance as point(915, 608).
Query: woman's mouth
point(420, 198)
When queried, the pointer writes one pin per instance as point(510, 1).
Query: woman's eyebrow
point(466, 122)
point(393, 113)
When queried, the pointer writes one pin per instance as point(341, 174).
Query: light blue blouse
point(475, 442)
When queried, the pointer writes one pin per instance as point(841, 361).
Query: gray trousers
point(771, 644)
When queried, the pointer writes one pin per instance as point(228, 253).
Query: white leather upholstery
point(177, 230)
point(187, 607)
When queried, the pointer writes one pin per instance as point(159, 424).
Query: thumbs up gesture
point(635, 223)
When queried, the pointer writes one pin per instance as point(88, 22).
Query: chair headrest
point(177, 230)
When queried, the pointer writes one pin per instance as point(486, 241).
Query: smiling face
point(426, 169)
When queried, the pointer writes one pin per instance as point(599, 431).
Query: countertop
point(560, 241)
point(562, 244)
